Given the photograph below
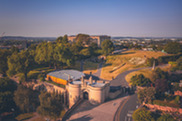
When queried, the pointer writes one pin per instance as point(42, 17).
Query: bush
point(140, 80)
point(165, 117)
point(166, 59)
point(24, 116)
point(142, 115)
point(41, 77)
point(21, 77)
point(163, 103)
point(177, 99)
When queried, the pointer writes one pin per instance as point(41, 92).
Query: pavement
point(130, 104)
point(102, 112)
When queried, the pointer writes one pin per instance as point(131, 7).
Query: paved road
point(120, 79)
point(102, 112)
point(130, 103)
point(126, 106)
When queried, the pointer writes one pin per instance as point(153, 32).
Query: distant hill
point(146, 37)
point(20, 38)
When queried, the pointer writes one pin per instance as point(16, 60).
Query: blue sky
point(53, 18)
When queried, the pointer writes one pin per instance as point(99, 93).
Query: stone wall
point(48, 87)
point(113, 95)
point(164, 108)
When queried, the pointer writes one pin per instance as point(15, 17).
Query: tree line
point(55, 54)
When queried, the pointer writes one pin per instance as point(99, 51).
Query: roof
point(64, 74)
point(98, 84)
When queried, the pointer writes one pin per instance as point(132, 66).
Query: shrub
point(142, 115)
point(165, 117)
point(164, 103)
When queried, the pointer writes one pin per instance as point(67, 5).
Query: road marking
point(120, 108)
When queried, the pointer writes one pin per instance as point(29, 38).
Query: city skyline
point(144, 18)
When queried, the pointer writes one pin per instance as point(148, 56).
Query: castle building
point(78, 88)
point(95, 92)
point(62, 77)
point(94, 38)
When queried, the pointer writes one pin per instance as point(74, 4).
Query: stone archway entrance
point(85, 95)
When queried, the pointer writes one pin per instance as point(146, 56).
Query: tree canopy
point(7, 88)
point(173, 47)
point(140, 80)
point(142, 115)
point(20, 63)
point(165, 117)
point(63, 40)
point(146, 95)
point(50, 105)
point(3, 64)
point(83, 39)
point(26, 99)
point(107, 47)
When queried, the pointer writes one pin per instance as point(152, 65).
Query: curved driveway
point(129, 104)
point(120, 79)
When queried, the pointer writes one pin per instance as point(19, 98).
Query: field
point(127, 60)
point(146, 72)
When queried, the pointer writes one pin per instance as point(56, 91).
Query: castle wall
point(96, 95)
point(74, 92)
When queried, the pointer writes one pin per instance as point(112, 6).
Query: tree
point(41, 56)
point(160, 74)
point(83, 40)
point(54, 54)
point(140, 80)
point(63, 55)
point(173, 47)
point(142, 115)
point(26, 99)
point(166, 117)
point(63, 40)
point(3, 64)
point(107, 47)
point(147, 94)
point(14, 49)
point(20, 63)
point(7, 88)
point(50, 105)
point(161, 85)
point(75, 49)
point(150, 61)
point(179, 63)
point(85, 53)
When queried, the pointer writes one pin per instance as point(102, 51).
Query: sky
point(53, 18)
